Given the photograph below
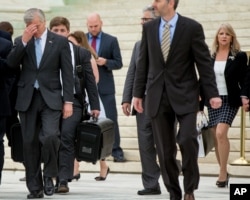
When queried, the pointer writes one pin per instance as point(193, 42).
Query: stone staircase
point(122, 19)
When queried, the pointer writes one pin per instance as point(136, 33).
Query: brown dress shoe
point(63, 187)
point(189, 196)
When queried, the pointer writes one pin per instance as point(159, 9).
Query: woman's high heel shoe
point(100, 178)
point(76, 177)
point(222, 184)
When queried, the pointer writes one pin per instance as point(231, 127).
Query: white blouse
point(219, 68)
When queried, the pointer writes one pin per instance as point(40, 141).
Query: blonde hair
point(81, 38)
point(234, 46)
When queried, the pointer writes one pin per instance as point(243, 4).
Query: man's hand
point(101, 61)
point(126, 108)
point(215, 102)
point(137, 102)
point(245, 103)
point(95, 113)
point(28, 33)
point(67, 110)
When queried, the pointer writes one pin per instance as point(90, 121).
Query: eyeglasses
point(144, 19)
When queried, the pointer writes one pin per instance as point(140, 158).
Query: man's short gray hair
point(151, 10)
point(31, 13)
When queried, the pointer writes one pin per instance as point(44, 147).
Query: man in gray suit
point(109, 59)
point(168, 74)
point(41, 55)
point(150, 167)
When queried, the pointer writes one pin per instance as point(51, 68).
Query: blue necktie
point(38, 48)
point(39, 52)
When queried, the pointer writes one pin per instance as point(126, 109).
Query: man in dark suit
point(42, 56)
point(12, 84)
point(5, 108)
point(172, 91)
point(61, 26)
point(109, 58)
point(150, 168)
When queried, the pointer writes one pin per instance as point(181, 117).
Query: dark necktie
point(165, 43)
point(93, 43)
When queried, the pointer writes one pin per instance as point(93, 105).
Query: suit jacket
point(109, 49)
point(56, 57)
point(129, 82)
point(235, 71)
point(178, 74)
point(5, 48)
point(83, 59)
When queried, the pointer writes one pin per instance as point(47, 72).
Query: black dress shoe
point(22, 179)
point(149, 191)
point(62, 187)
point(37, 194)
point(49, 188)
point(116, 159)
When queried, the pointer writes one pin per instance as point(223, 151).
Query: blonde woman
point(230, 65)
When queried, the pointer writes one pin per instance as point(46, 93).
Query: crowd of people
point(162, 89)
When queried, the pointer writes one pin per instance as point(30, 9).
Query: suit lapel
point(229, 62)
point(31, 51)
point(178, 34)
point(48, 47)
point(102, 43)
point(155, 38)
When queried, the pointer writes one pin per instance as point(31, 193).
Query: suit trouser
point(40, 131)
point(150, 168)
point(67, 147)
point(2, 131)
point(109, 104)
point(164, 131)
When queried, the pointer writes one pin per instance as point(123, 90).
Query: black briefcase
point(16, 143)
point(94, 139)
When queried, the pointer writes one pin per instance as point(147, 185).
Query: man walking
point(42, 55)
point(170, 49)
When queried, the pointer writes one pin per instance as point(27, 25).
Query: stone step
point(207, 169)
point(132, 154)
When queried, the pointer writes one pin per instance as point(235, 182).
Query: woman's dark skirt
point(224, 114)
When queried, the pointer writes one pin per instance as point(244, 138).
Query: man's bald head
point(94, 24)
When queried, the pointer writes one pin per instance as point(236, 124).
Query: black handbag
point(205, 135)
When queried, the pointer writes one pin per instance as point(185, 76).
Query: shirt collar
point(98, 36)
point(171, 23)
point(44, 35)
